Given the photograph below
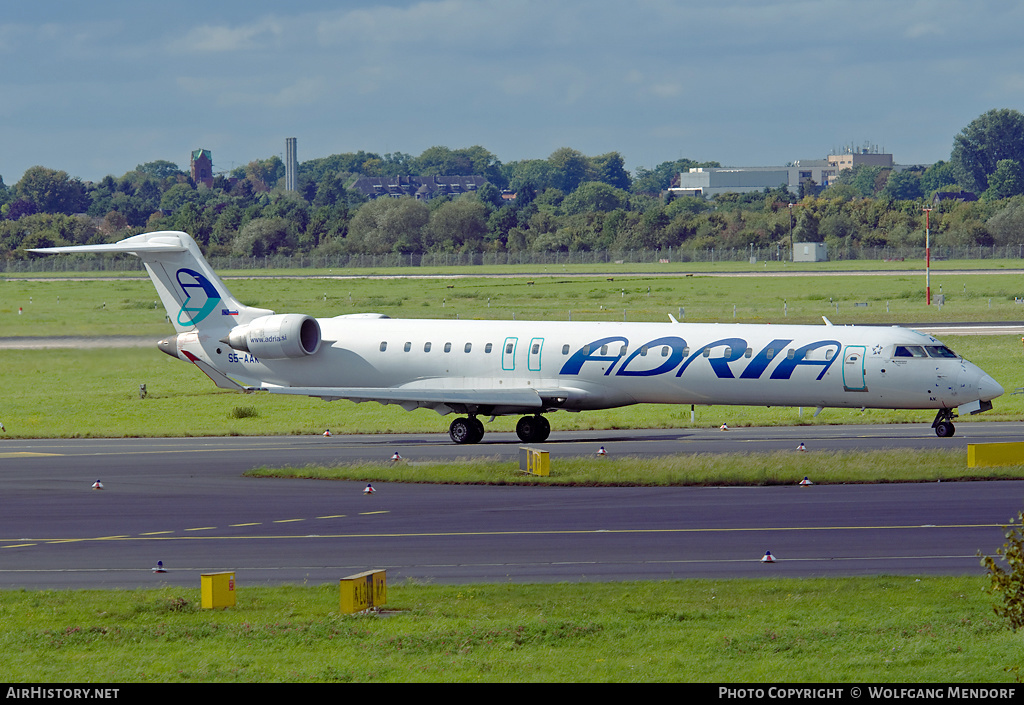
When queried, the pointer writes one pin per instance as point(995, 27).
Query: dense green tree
point(19, 208)
point(490, 196)
point(571, 167)
point(331, 192)
point(903, 186)
point(349, 163)
point(500, 222)
point(611, 169)
point(160, 169)
point(1007, 226)
point(978, 148)
point(864, 179)
point(52, 191)
point(1006, 181)
point(388, 225)
point(262, 237)
point(177, 196)
point(806, 229)
point(442, 161)
point(537, 175)
point(457, 226)
point(486, 164)
point(469, 161)
point(264, 174)
point(595, 196)
point(938, 177)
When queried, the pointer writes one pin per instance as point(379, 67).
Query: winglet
point(672, 318)
point(827, 322)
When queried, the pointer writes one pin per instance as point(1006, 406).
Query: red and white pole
point(927, 256)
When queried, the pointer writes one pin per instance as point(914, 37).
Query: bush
point(1009, 581)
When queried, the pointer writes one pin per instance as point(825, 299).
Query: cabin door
point(853, 368)
point(536, 346)
point(508, 354)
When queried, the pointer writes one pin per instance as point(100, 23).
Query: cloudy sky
point(97, 88)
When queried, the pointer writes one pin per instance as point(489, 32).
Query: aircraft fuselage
point(600, 365)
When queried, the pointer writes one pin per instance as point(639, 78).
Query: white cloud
point(264, 35)
point(298, 92)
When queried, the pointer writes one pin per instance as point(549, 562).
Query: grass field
point(768, 631)
point(75, 306)
point(691, 469)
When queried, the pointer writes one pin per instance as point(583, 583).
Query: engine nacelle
point(277, 336)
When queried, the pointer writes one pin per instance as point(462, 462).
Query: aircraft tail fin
point(192, 293)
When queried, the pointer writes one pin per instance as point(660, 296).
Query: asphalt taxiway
point(185, 502)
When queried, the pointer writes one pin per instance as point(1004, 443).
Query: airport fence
point(127, 263)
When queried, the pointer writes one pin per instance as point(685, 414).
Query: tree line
point(566, 202)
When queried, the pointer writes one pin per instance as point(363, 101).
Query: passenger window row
point(664, 350)
point(427, 347)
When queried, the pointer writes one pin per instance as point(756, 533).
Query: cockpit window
point(940, 351)
point(909, 351)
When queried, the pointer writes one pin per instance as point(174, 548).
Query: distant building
point(810, 252)
point(961, 196)
point(866, 156)
point(422, 188)
point(202, 167)
point(711, 181)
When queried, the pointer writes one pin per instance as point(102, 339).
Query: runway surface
point(184, 502)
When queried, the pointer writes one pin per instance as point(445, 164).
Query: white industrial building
point(710, 181)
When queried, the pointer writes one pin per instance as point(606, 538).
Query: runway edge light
point(363, 591)
point(768, 557)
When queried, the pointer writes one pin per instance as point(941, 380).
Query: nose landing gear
point(943, 423)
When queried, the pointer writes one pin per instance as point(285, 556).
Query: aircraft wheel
point(944, 429)
point(544, 431)
point(478, 427)
point(533, 429)
point(465, 431)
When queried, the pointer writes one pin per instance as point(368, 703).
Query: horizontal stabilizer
point(218, 377)
point(167, 243)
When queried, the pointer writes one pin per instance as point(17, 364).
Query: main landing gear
point(468, 430)
point(530, 429)
point(533, 429)
point(943, 423)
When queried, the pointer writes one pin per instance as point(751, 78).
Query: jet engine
point(277, 336)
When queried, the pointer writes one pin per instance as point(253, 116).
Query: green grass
point(776, 468)
point(126, 307)
point(837, 630)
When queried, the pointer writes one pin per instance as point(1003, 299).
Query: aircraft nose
point(988, 388)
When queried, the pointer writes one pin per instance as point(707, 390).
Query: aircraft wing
point(414, 397)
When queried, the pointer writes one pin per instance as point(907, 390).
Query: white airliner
point(530, 368)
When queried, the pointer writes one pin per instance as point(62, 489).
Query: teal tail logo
point(201, 297)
